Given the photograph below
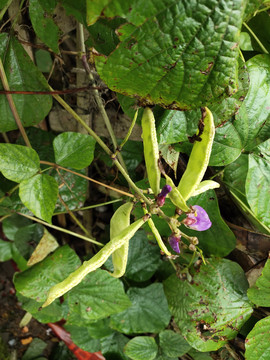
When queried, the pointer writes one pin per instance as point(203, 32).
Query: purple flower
point(174, 242)
point(162, 196)
point(197, 220)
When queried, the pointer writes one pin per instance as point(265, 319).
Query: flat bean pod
point(120, 221)
point(199, 158)
point(94, 263)
point(151, 152)
point(204, 186)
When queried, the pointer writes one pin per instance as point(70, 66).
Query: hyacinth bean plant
point(194, 78)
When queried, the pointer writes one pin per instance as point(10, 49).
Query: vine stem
point(96, 95)
point(85, 177)
point(12, 105)
point(256, 38)
point(89, 207)
point(61, 229)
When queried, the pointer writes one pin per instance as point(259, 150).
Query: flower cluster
point(162, 196)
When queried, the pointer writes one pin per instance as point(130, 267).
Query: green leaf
point(148, 313)
point(99, 295)
point(17, 162)
point(35, 350)
point(179, 67)
point(175, 126)
point(170, 156)
point(12, 224)
point(257, 344)
point(227, 145)
point(112, 346)
point(36, 281)
point(173, 344)
point(253, 119)
point(5, 250)
point(245, 41)
point(39, 194)
point(259, 294)
point(196, 355)
point(81, 337)
point(94, 9)
point(74, 150)
point(219, 240)
point(251, 7)
point(27, 238)
point(45, 28)
point(259, 24)
point(141, 348)
point(17, 257)
point(213, 306)
point(22, 75)
point(76, 9)
point(52, 313)
point(43, 60)
point(257, 187)
point(143, 258)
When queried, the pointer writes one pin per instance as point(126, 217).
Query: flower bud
point(174, 242)
point(162, 196)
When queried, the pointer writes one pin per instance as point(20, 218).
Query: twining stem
point(86, 177)
point(12, 105)
point(61, 229)
point(96, 95)
point(256, 38)
point(89, 207)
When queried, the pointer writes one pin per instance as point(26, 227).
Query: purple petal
point(174, 242)
point(199, 220)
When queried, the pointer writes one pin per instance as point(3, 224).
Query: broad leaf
point(219, 240)
point(257, 187)
point(17, 162)
point(35, 282)
point(143, 258)
point(27, 238)
point(257, 344)
point(12, 224)
point(173, 344)
point(35, 350)
point(5, 250)
point(22, 75)
point(94, 9)
point(259, 293)
point(112, 346)
point(212, 307)
point(81, 337)
point(74, 150)
point(41, 19)
point(253, 119)
point(141, 348)
point(148, 313)
point(97, 296)
point(39, 194)
point(179, 68)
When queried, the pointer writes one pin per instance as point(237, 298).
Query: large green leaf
point(35, 282)
point(148, 313)
point(39, 194)
point(12, 224)
point(81, 337)
point(74, 150)
point(97, 296)
point(253, 119)
point(257, 187)
point(18, 162)
point(212, 307)
point(5, 250)
point(219, 240)
point(27, 238)
point(259, 293)
point(112, 346)
point(173, 344)
point(41, 18)
point(165, 55)
point(22, 75)
point(257, 343)
point(143, 258)
point(141, 348)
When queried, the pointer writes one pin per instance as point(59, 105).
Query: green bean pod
point(150, 147)
point(204, 186)
point(199, 158)
point(175, 196)
point(94, 263)
point(120, 221)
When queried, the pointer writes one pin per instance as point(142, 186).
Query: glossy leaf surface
point(141, 348)
point(257, 348)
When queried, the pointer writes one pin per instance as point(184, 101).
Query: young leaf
point(259, 294)
point(257, 344)
point(99, 295)
point(257, 187)
point(211, 308)
point(41, 19)
point(39, 194)
point(148, 313)
point(74, 150)
point(17, 162)
point(141, 348)
point(22, 75)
